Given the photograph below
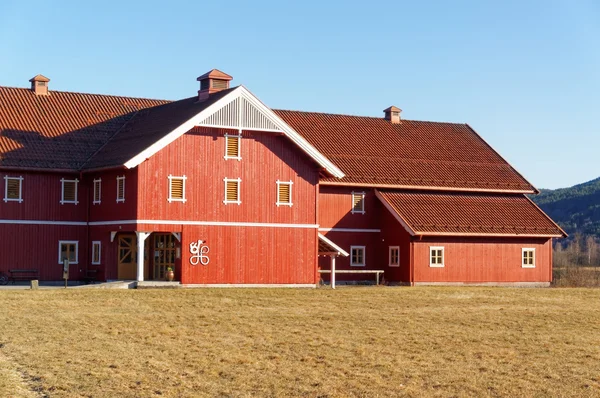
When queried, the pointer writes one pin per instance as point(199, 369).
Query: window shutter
point(233, 146)
point(232, 191)
point(70, 189)
point(121, 189)
point(284, 193)
point(176, 188)
point(357, 202)
point(13, 188)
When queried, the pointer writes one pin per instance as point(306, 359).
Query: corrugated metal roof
point(373, 151)
point(435, 213)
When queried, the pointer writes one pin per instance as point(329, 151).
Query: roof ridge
point(367, 117)
point(94, 94)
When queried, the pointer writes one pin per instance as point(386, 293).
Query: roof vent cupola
point(392, 114)
point(212, 82)
point(39, 85)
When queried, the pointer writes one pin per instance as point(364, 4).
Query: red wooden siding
point(251, 255)
point(199, 155)
point(36, 247)
point(335, 208)
point(109, 209)
point(394, 234)
point(41, 193)
point(483, 260)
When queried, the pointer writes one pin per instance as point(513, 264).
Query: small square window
point(284, 193)
point(13, 189)
point(232, 191)
point(96, 252)
point(357, 256)
point(121, 189)
point(358, 202)
point(528, 258)
point(68, 249)
point(177, 189)
point(394, 256)
point(232, 146)
point(97, 191)
point(69, 191)
point(436, 256)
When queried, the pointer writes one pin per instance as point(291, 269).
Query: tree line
point(580, 250)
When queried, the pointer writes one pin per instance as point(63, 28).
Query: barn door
point(127, 265)
point(164, 254)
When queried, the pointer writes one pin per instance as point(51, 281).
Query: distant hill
point(575, 209)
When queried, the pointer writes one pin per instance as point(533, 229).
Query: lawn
point(361, 341)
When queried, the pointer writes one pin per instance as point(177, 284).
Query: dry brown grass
point(361, 341)
point(576, 276)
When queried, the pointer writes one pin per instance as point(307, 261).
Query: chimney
point(212, 82)
point(39, 85)
point(392, 114)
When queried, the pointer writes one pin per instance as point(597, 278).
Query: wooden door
point(127, 265)
point(164, 254)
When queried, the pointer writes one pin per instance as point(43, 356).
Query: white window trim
point(362, 202)
point(431, 248)
point(239, 137)
point(171, 199)
point(239, 185)
point(99, 245)
point(98, 185)
point(364, 256)
point(6, 198)
point(527, 249)
point(390, 256)
point(290, 183)
point(62, 193)
point(121, 200)
point(76, 243)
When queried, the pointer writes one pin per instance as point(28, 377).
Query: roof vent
point(212, 82)
point(392, 114)
point(39, 85)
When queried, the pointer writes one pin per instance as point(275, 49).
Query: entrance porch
point(161, 251)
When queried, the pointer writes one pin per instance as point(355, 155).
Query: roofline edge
point(427, 188)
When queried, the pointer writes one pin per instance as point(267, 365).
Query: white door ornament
point(199, 253)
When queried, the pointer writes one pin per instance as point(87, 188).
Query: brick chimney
point(392, 114)
point(39, 85)
point(212, 82)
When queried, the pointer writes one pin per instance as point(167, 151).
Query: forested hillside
point(576, 209)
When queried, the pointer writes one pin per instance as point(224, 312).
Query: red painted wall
point(335, 208)
point(108, 209)
point(483, 260)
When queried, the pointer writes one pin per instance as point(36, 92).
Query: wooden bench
point(358, 271)
point(23, 274)
point(90, 276)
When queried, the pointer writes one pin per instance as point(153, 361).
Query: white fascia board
point(394, 213)
point(237, 92)
point(336, 247)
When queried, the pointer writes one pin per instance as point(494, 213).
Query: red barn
point(227, 191)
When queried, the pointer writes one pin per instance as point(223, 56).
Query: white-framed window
point(436, 256)
point(69, 191)
point(528, 257)
point(357, 256)
point(232, 190)
point(233, 146)
point(358, 203)
point(177, 189)
point(394, 256)
point(284, 193)
point(13, 189)
point(121, 189)
point(97, 191)
point(96, 252)
point(68, 249)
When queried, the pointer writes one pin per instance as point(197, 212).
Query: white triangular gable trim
point(263, 116)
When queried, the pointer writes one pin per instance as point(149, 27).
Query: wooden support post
point(332, 271)
point(141, 237)
point(377, 278)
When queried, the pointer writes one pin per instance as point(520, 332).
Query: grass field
point(362, 341)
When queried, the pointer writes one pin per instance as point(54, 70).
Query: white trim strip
point(42, 222)
point(207, 223)
point(348, 230)
point(336, 247)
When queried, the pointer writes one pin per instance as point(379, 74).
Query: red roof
point(61, 130)
point(412, 154)
point(476, 214)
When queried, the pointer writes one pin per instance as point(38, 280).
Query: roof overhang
point(331, 248)
point(426, 188)
point(239, 92)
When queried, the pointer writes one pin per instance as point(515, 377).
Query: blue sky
point(524, 74)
